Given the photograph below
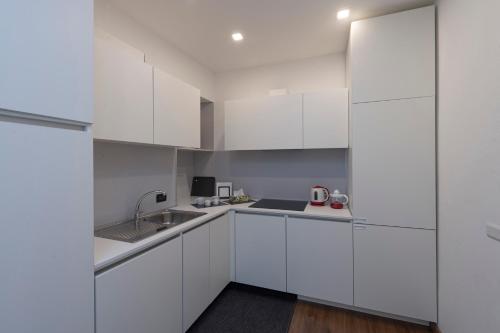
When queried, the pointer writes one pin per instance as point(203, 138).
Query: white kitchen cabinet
point(176, 112)
point(393, 56)
point(46, 66)
point(393, 162)
point(326, 123)
point(123, 92)
point(264, 123)
point(320, 259)
point(395, 270)
point(220, 269)
point(196, 273)
point(260, 258)
point(143, 294)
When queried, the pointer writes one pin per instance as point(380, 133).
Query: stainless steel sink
point(148, 225)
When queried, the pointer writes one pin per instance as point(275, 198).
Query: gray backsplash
point(287, 174)
point(123, 172)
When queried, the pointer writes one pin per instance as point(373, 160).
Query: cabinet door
point(393, 160)
point(196, 273)
point(260, 250)
point(326, 123)
point(393, 56)
point(176, 112)
point(123, 92)
point(46, 66)
point(264, 123)
point(220, 269)
point(320, 259)
point(395, 270)
point(142, 294)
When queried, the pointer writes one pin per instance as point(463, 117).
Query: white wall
point(122, 173)
point(313, 74)
point(469, 165)
point(159, 52)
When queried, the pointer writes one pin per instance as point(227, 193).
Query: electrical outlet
point(161, 197)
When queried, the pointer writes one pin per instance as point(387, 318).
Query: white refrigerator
point(46, 166)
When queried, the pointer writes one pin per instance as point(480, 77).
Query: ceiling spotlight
point(343, 14)
point(237, 36)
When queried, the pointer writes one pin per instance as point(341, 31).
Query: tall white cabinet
point(395, 270)
point(392, 161)
point(393, 56)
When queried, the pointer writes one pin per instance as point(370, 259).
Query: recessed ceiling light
point(343, 14)
point(237, 36)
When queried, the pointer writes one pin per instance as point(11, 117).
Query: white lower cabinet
point(260, 247)
point(395, 270)
point(195, 273)
point(220, 255)
point(206, 266)
point(320, 259)
point(143, 294)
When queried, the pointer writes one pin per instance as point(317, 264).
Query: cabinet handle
point(360, 227)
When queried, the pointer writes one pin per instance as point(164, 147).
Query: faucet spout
point(138, 212)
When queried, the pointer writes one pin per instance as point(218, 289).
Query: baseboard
point(435, 328)
point(367, 311)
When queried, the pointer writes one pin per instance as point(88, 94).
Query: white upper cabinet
point(264, 123)
point(393, 162)
point(395, 271)
point(393, 56)
point(46, 63)
point(326, 123)
point(123, 92)
point(176, 112)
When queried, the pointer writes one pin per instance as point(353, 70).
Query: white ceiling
point(274, 30)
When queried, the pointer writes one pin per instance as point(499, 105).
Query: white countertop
point(108, 252)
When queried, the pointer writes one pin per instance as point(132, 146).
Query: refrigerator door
point(46, 215)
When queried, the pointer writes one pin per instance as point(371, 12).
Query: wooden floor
point(316, 318)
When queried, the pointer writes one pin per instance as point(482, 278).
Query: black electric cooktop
point(281, 204)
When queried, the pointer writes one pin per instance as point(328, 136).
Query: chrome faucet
point(139, 202)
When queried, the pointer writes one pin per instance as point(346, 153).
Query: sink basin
point(148, 225)
point(171, 217)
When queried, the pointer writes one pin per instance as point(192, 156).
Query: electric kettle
point(339, 200)
point(319, 195)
